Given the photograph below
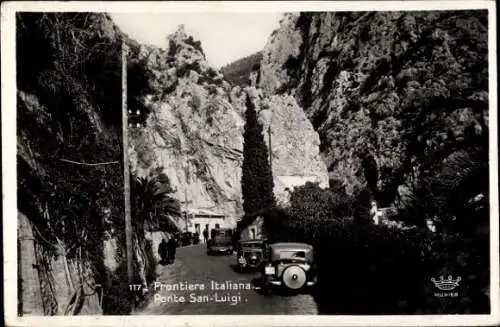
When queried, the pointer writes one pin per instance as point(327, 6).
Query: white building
point(200, 219)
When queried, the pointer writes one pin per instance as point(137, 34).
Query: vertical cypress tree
point(257, 179)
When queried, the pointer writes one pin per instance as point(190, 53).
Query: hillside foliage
point(238, 72)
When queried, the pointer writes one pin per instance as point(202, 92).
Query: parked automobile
point(196, 238)
point(289, 265)
point(250, 254)
point(220, 243)
point(186, 238)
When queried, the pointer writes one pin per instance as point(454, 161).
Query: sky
point(225, 37)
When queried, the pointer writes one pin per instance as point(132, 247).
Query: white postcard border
point(9, 181)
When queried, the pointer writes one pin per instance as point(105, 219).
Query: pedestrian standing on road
point(205, 235)
point(163, 251)
point(172, 245)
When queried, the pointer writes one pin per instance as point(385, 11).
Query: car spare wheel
point(253, 261)
point(294, 277)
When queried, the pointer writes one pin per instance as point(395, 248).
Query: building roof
point(204, 213)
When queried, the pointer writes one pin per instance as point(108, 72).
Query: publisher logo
point(447, 285)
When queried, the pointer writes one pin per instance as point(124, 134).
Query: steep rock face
point(283, 44)
point(193, 132)
point(372, 83)
point(195, 129)
point(295, 144)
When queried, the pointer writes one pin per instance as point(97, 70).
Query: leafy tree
point(455, 191)
point(151, 199)
point(257, 180)
point(312, 203)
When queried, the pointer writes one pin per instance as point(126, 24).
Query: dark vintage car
point(250, 254)
point(186, 239)
point(220, 243)
point(196, 238)
point(289, 265)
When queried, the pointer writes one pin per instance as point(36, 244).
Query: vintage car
point(250, 254)
point(185, 239)
point(289, 265)
point(220, 243)
point(196, 238)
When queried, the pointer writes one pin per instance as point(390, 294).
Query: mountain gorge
point(355, 99)
point(195, 129)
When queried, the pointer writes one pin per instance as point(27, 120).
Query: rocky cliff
point(195, 128)
point(395, 86)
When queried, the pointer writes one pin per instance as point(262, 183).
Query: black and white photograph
point(205, 161)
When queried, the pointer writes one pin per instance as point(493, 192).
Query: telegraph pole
point(270, 147)
point(186, 215)
point(126, 174)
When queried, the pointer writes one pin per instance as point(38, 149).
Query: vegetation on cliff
point(69, 139)
point(238, 72)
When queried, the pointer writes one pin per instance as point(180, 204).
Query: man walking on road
point(172, 245)
point(205, 235)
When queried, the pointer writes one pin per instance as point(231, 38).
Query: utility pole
point(186, 209)
point(126, 175)
point(270, 146)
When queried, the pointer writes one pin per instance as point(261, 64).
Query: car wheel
point(294, 278)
